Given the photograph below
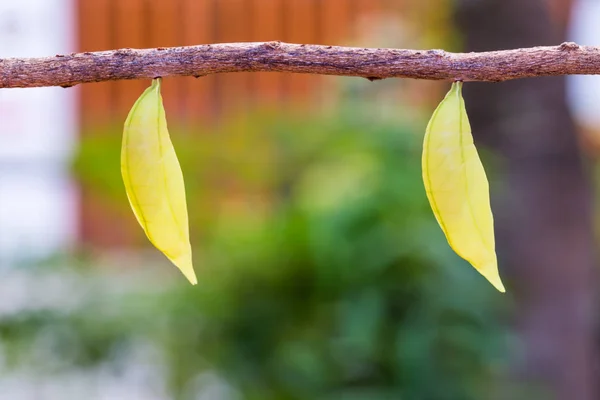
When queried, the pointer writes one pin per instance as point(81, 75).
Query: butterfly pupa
point(154, 181)
point(457, 187)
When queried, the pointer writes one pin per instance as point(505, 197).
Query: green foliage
point(322, 273)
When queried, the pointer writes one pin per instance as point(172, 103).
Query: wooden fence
point(110, 24)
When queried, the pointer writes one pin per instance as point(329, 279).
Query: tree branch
point(494, 66)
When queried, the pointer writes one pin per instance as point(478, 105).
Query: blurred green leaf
point(322, 273)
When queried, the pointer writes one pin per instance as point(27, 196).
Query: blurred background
point(322, 272)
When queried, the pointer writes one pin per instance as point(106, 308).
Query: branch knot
point(568, 46)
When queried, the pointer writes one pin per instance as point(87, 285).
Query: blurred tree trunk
point(542, 199)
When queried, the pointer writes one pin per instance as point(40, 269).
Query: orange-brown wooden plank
point(94, 31)
point(94, 34)
point(128, 32)
point(336, 30)
point(335, 21)
point(267, 26)
point(198, 28)
point(302, 27)
point(302, 21)
point(364, 13)
point(165, 30)
point(105, 224)
point(233, 25)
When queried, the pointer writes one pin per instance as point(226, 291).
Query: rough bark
point(72, 69)
point(542, 202)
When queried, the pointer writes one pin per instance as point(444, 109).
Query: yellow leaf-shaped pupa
point(153, 180)
point(457, 187)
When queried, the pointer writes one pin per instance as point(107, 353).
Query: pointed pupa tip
point(184, 263)
point(498, 285)
point(190, 275)
point(494, 278)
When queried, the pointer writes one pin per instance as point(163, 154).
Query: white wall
point(37, 136)
point(584, 90)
